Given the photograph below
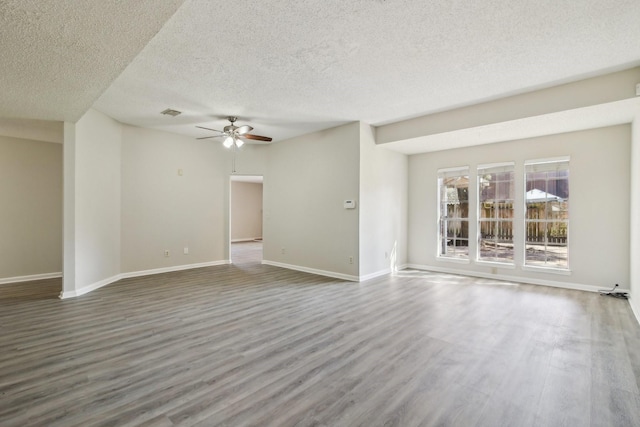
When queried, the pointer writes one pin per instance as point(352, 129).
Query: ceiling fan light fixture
point(235, 136)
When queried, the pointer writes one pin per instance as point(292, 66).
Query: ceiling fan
point(235, 135)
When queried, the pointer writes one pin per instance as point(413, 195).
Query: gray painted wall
point(92, 155)
point(307, 180)
point(599, 204)
point(383, 206)
point(30, 208)
point(246, 210)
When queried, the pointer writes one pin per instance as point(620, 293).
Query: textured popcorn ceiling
point(291, 67)
point(57, 57)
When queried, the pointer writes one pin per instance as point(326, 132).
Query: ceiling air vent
point(170, 112)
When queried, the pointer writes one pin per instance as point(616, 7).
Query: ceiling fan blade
point(243, 129)
point(257, 137)
point(212, 136)
point(215, 130)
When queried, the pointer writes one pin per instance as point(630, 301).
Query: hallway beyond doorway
point(246, 252)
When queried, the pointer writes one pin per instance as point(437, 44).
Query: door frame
point(252, 178)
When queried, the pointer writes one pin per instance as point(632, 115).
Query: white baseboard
point(174, 268)
point(248, 239)
point(634, 308)
point(105, 282)
point(517, 279)
point(92, 287)
point(313, 271)
point(374, 275)
point(30, 278)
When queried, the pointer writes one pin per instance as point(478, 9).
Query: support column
point(634, 226)
point(68, 209)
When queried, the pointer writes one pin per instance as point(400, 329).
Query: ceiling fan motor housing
point(236, 132)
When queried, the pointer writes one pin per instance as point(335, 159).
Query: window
point(547, 213)
point(453, 218)
point(495, 212)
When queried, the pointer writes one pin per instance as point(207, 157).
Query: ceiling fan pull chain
point(233, 159)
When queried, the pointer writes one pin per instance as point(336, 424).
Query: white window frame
point(481, 170)
point(540, 165)
point(461, 171)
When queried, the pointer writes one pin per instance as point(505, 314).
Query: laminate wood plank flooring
point(248, 344)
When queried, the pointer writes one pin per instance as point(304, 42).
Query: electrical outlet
point(186, 251)
point(283, 251)
point(350, 260)
point(386, 255)
point(166, 253)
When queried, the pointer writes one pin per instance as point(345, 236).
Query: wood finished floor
point(250, 344)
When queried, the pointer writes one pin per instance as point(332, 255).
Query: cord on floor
point(613, 293)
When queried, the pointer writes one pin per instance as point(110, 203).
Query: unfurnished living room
point(319, 213)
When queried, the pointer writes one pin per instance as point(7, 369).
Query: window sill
point(551, 270)
point(508, 265)
point(455, 260)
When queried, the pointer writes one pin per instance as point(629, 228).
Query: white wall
point(383, 206)
point(69, 210)
point(163, 210)
point(592, 91)
point(35, 130)
point(246, 210)
point(92, 199)
point(132, 193)
point(30, 209)
point(634, 235)
point(599, 204)
point(307, 180)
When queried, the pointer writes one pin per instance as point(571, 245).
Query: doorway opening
point(245, 219)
